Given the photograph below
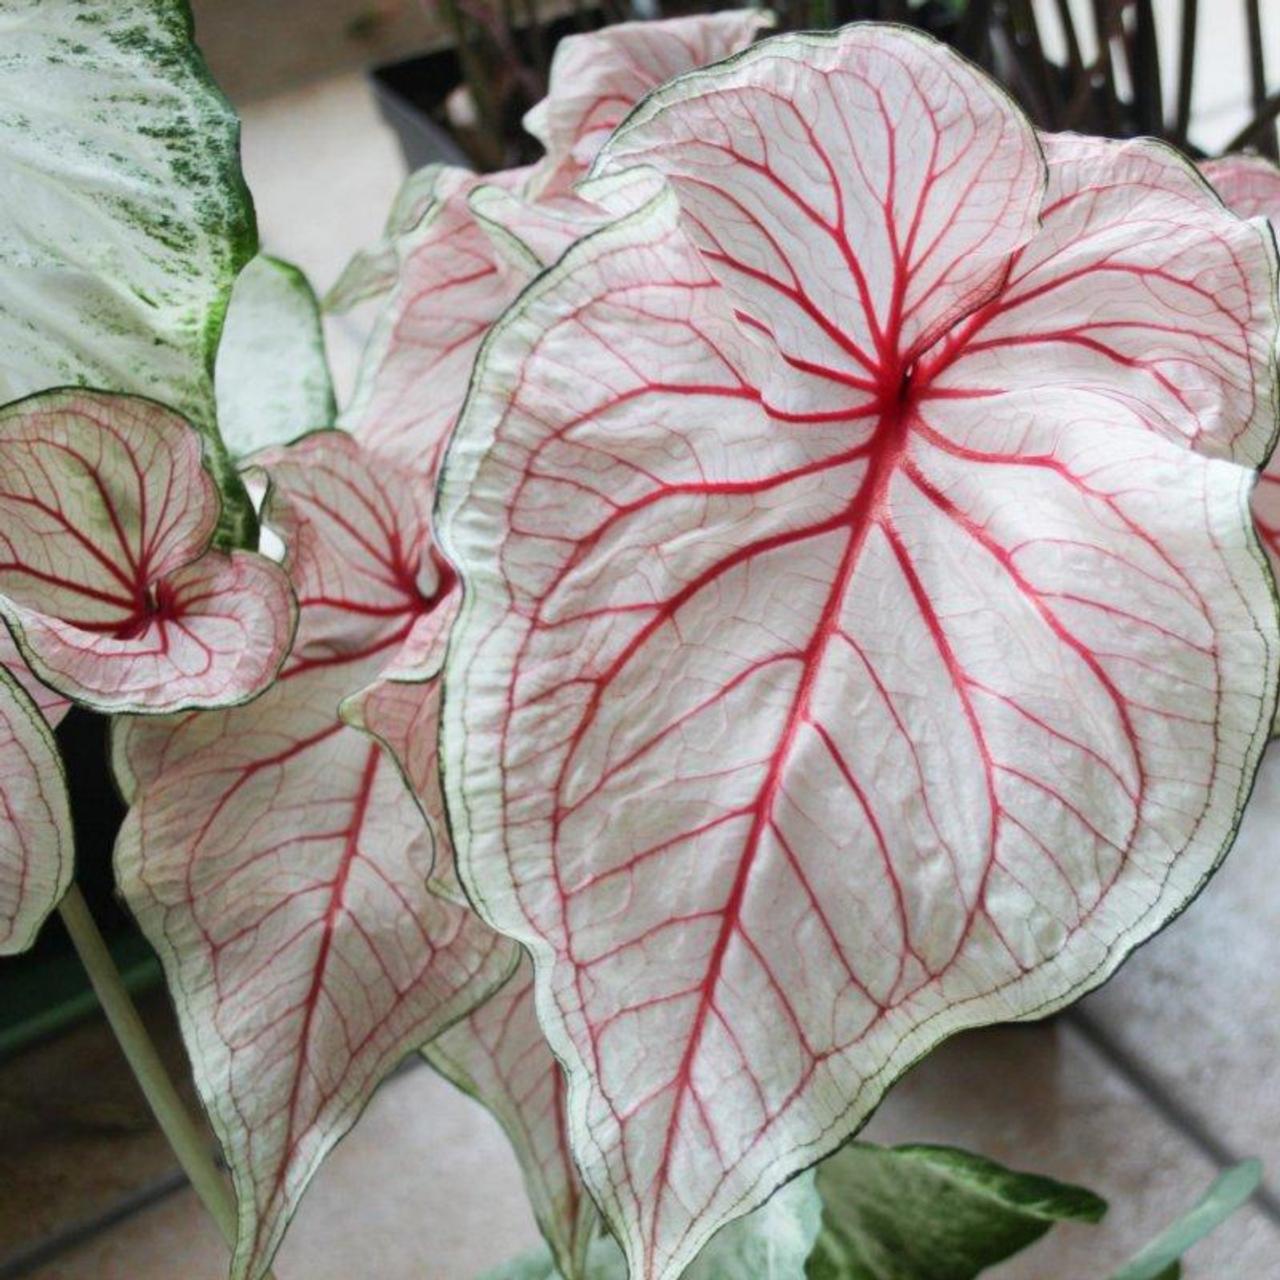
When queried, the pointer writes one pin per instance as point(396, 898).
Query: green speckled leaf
point(272, 376)
point(932, 1213)
point(124, 217)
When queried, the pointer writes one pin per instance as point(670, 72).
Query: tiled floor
point(1164, 1075)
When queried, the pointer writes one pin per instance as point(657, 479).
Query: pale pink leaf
point(35, 820)
point(596, 78)
point(106, 576)
point(1250, 185)
point(499, 1055)
point(53, 706)
point(825, 684)
point(279, 864)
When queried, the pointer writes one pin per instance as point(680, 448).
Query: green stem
point(188, 1143)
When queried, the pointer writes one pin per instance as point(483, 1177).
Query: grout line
point(1185, 1120)
point(26, 1260)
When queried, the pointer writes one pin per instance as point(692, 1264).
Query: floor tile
point(424, 1188)
point(1199, 1005)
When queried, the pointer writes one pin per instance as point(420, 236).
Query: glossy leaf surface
point(106, 577)
point(276, 860)
point(863, 636)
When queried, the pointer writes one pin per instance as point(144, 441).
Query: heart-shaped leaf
point(272, 375)
point(276, 860)
point(859, 640)
point(35, 820)
point(124, 218)
point(932, 1213)
point(106, 576)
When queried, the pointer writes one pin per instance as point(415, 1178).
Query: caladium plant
point(863, 635)
point(859, 632)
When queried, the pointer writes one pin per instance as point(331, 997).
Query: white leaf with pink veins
point(863, 635)
point(107, 579)
point(279, 864)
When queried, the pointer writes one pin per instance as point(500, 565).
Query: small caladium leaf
point(272, 375)
point(276, 860)
point(773, 1243)
point(124, 218)
point(499, 1056)
point(35, 820)
point(932, 1213)
point(1160, 1260)
point(863, 636)
point(596, 79)
point(106, 576)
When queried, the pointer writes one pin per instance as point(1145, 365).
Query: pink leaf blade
point(499, 1056)
point(790, 748)
point(35, 820)
point(53, 706)
point(106, 514)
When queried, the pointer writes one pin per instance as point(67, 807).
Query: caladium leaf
point(53, 706)
point(1160, 1260)
point(279, 865)
point(499, 1055)
point(597, 77)
point(460, 249)
point(772, 1243)
point(272, 375)
point(106, 576)
point(35, 820)
point(932, 1213)
point(858, 642)
point(124, 218)
point(1251, 186)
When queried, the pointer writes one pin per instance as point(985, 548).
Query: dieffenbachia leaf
point(460, 248)
point(1160, 1259)
point(35, 820)
point(863, 635)
point(772, 1243)
point(1250, 185)
point(499, 1055)
point(597, 77)
point(107, 579)
point(276, 860)
point(932, 1213)
point(272, 375)
point(124, 218)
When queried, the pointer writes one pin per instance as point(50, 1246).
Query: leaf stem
point(188, 1143)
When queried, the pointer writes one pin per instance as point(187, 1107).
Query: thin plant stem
point(188, 1143)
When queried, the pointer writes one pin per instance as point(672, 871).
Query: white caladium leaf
point(460, 248)
point(53, 706)
point(859, 640)
point(272, 375)
point(107, 579)
point(123, 214)
point(1251, 186)
point(499, 1056)
point(276, 860)
point(35, 820)
point(932, 1213)
point(596, 78)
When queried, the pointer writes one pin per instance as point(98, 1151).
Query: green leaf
point(770, 1244)
point(932, 1213)
point(272, 376)
point(124, 218)
point(1159, 1260)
